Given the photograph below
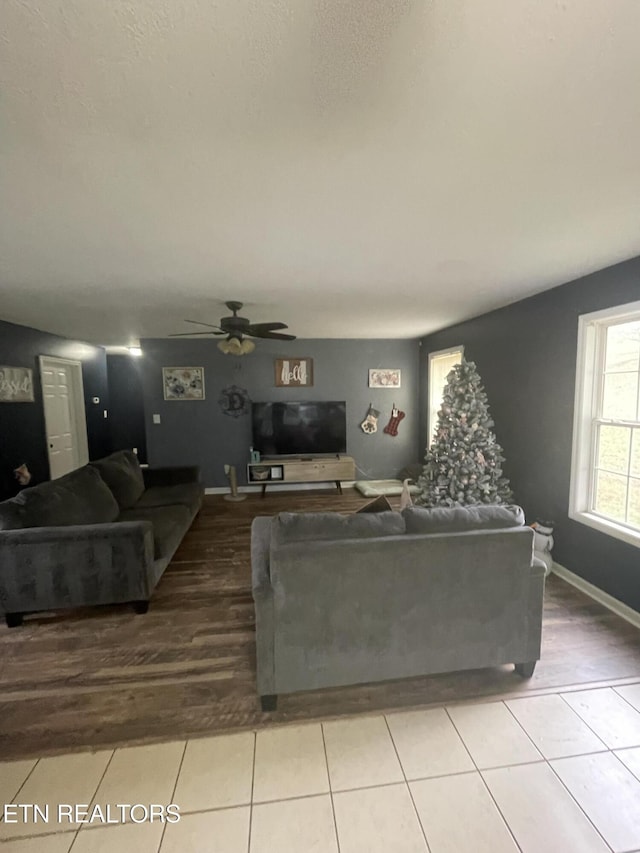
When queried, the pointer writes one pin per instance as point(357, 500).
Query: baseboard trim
point(280, 487)
point(608, 601)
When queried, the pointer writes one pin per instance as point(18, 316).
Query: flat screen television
point(300, 429)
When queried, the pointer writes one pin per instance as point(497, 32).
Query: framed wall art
point(384, 377)
point(294, 372)
point(183, 383)
point(16, 385)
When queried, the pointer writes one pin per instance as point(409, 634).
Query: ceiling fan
point(237, 330)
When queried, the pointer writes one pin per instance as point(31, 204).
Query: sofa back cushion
point(302, 526)
point(80, 497)
point(122, 473)
point(460, 518)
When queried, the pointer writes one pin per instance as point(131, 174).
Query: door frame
point(77, 404)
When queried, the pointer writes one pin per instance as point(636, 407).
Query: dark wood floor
point(105, 677)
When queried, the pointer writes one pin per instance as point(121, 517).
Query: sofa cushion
point(184, 494)
point(80, 497)
point(122, 473)
point(460, 518)
point(301, 526)
point(169, 523)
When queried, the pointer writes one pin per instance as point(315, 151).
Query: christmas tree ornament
point(370, 423)
point(396, 416)
point(463, 465)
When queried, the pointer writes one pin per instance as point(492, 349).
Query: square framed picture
point(384, 377)
point(294, 372)
point(16, 384)
point(183, 383)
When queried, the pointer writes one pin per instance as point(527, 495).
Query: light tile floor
point(549, 773)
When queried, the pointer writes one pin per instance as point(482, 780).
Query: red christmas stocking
point(392, 427)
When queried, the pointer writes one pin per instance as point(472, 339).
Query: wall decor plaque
point(384, 377)
point(294, 372)
point(183, 383)
point(234, 401)
point(16, 385)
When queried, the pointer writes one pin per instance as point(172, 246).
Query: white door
point(64, 415)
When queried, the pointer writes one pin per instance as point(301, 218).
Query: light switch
point(156, 419)
point(105, 413)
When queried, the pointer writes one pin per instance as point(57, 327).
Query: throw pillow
point(299, 527)
point(460, 518)
point(80, 497)
point(122, 473)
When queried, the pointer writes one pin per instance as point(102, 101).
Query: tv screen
point(285, 429)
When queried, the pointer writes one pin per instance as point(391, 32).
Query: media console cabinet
point(301, 469)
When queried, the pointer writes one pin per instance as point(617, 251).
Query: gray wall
point(22, 428)
point(526, 355)
point(199, 432)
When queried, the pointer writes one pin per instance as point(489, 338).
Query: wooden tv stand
point(302, 469)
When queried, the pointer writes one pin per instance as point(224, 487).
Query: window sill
point(611, 528)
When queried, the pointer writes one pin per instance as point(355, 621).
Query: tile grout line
point(407, 785)
point(624, 698)
point(484, 781)
point(253, 782)
point(548, 763)
point(333, 808)
point(173, 793)
point(600, 835)
point(635, 774)
point(76, 830)
point(591, 729)
point(525, 732)
point(24, 781)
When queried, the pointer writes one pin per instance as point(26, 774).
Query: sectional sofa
point(102, 534)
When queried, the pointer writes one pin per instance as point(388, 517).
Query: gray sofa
point(353, 599)
point(102, 534)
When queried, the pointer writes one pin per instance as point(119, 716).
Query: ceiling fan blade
point(272, 335)
point(200, 323)
point(266, 327)
point(191, 334)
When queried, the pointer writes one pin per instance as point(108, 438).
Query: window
point(440, 363)
point(605, 470)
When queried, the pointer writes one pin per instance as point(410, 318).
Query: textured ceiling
point(357, 168)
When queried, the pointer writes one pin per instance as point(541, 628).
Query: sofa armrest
point(45, 568)
point(264, 605)
point(260, 547)
point(170, 476)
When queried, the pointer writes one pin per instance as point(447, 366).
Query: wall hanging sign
point(384, 377)
point(16, 385)
point(294, 372)
point(183, 383)
point(234, 401)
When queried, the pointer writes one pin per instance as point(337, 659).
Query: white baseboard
point(280, 487)
point(598, 594)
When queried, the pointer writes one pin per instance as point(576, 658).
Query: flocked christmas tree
point(463, 466)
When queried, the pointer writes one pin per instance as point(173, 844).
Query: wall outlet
point(105, 414)
point(156, 419)
point(135, 450)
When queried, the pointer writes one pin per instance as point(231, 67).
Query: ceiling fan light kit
point(234, 346)
point(237, 329)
